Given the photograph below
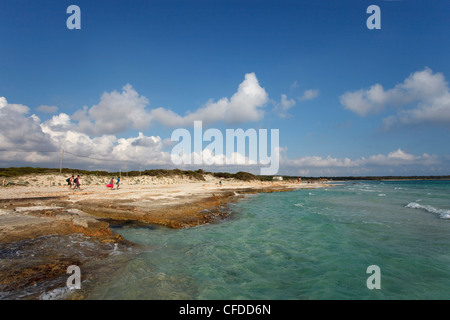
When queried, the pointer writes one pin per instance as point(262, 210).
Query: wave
point(55, 294)
point(367, 190)
point(444, 214)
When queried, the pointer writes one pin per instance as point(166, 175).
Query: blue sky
point(346, 100)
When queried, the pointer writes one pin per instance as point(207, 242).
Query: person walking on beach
point(69, 181)
point(77, 183)
point(111, 183)
point(118, 182)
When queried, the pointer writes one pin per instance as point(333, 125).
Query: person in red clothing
point(69, 182)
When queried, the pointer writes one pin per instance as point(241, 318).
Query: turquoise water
point(304, 244)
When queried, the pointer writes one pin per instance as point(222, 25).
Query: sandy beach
point(42, 205)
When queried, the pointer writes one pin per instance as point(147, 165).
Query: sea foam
point(444, 214)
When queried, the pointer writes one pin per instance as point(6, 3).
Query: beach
point(37, 207)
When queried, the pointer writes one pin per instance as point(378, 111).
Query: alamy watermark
point(74, 281)
point(188, 153)
point(74, 20)
point(374, 281)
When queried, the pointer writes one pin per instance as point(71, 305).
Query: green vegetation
point(245, 176)
point(194, 175)
point(16, 172)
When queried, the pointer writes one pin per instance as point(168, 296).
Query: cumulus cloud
point(119, 111)
point(400, 158)
point(244, 106)
point(397, 157)
point(365, 165)
point(115, 113)
point(142, 149)
point(90, 135)
point(364, 102)
point(20, 129)
point(106, 150)
point(25, 139)
point(423, 97)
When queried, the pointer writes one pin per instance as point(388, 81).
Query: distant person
point(220, 184)
point(118, 182)
point(69, 181)
point(111, 183)
point(77, 183)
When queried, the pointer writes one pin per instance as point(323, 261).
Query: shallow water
point(37, 268)
point(305, 244)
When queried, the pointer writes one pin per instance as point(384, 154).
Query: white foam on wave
point(55, 294)
point(367, 190)
point(444, 214)
point(116, 251)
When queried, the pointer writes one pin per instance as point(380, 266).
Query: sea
point(354, 240)
point(358, 240)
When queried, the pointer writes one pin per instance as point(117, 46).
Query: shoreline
point(31, 213)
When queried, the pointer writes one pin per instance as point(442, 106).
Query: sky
point(346, 100)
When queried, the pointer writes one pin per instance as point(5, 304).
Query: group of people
point(74, 183)
point(111, 183)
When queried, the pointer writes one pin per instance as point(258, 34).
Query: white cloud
point(285, 104)
point(374, 164)
point(26, 140)
point(118, 111)
point(309, 95)
point(244, 106)
point(423, 97)
point(115, 113)
point(106, 150)
point(142, 149)
point(20, 131)
point(437, 111)
point(399, 158)
point(364, 102)
point(89, 136)
point(320, 162)
point(47, 109)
